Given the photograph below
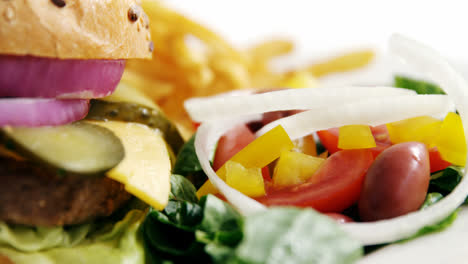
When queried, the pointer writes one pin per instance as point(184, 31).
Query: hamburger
point(75, 191)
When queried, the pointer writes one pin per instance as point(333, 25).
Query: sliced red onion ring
point(25, 76)
point(41, 112)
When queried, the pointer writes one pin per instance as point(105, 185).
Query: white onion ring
point(383, 231)
point(233, 106)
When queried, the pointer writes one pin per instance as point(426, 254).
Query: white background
point(330, 25)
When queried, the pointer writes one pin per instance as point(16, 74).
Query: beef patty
point(36, 196)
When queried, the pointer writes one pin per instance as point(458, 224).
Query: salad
point(386, 166)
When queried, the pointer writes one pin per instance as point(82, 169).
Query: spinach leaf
point(182, 214)
point(182, 189)
point(419, 86)
point(170, 234)
point(213, 232)
point(221, 223)
point(431, 198)
point(445, 181)
point(188, 165)
point(292, 235)
point(187, 161)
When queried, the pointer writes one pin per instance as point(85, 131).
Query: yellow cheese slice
point(146, 169)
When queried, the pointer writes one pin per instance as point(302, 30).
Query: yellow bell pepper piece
point(300, 79)
point(422, 129)
point(258, 154)
point(355, 137)
point(206, 188)
point(295, 168)
point(451, 141)
point(306, 145)
point(248, 181)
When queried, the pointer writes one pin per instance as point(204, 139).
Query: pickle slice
point(136, 113)
point(79, 148)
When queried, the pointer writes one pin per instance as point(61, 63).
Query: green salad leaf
point(211, 231)
point(431, 198)
point(446, 180)
point(187, 161)
point(294, 235)
point(448, 221)
point(182, 189)
point(419, 86)
point(188, 165)
point(120, 243)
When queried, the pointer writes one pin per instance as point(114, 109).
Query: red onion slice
point(25, 76)
point(41, 112)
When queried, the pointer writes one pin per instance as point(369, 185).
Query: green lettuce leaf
point(419, 86)
point(105, 242)
point(41, 238)
point(294, 235)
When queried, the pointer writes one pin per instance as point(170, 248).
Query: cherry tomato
point(196, 125)
point(340, 218)
point(437, 163)
point(232, 142)
point(275, 115)
point(396, 183)
point(341, 178)
point(329, 139)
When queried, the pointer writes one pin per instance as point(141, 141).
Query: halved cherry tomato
point(341, 175)
point(436, 161)
point(275, 115)
point(196, 125)
point(329, 139)
point(232, 142)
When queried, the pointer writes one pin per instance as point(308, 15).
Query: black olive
point(59, 3)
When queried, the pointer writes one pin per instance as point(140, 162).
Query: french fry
point(190, 60)
point(346, 62)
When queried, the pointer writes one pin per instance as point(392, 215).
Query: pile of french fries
point(190, 60)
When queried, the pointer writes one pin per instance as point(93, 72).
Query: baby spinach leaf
point(187, 161)
point(435, 227)
point(431, 198)
point(419, 86)
point(188, 165)
point(445, 181)
point(182, 189)
point(211, 231)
